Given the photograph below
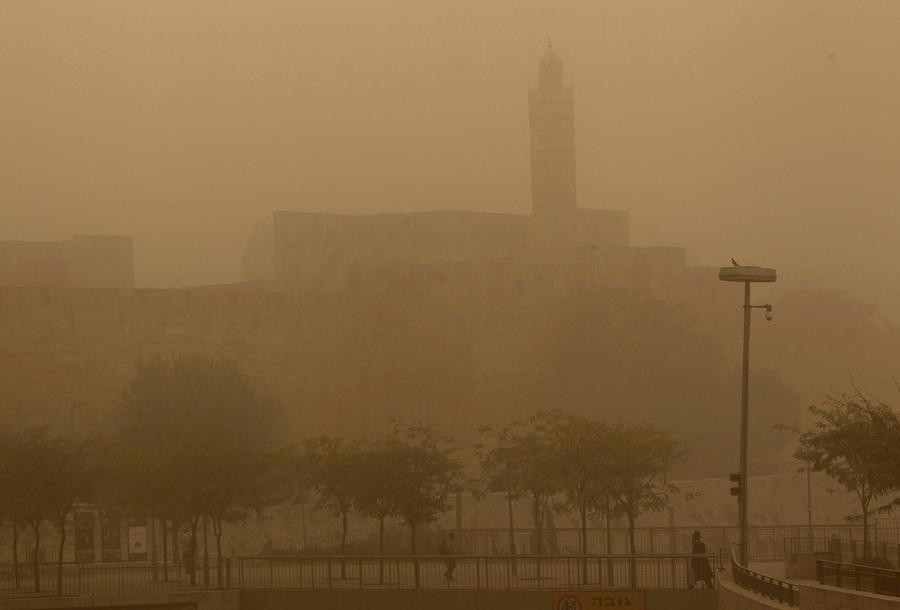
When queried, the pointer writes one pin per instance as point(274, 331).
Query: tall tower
point(551, 106)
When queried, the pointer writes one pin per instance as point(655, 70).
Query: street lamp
point(747, 275)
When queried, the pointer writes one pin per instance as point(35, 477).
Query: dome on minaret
point(550, 72)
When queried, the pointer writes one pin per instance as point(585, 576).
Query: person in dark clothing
point(448, 547)
point(699, 563)
point(834, 547)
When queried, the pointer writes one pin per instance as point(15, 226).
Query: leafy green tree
point(539, 471)
point(623, 357)
point(12, 485)
point(427, 471)
point(57, 471)
point(587, 451)
point(851, 441)
point(335, 470)
point(499, 470)
point(202, 431)
point(378, 489)
point(645, 457)
point(233, 485)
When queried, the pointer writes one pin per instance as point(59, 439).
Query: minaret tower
point(551, 106)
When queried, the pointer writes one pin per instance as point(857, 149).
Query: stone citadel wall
point(313, 251)
point(448, 344)
point(85, 260)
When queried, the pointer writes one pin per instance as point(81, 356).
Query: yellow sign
point(590, 600)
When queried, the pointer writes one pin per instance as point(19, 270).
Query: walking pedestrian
point(448, 547)
point(701, 571)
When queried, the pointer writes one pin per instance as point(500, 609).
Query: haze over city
point(408, 304)
point(764, 131)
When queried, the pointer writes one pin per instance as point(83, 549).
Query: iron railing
point(92, 579)
point(879, 554)
point(858, 577)
point(478, 572)
point(766, 543)
point(767, 586)
point(431, 572)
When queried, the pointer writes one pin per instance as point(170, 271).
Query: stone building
point(100, 261)
point(323, 252)
point(449, 317)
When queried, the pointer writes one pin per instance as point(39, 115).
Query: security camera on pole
point(747, 275)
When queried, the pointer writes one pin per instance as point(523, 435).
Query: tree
point(587, 452)
point(376, 495)
point(615, 354)
point(427, 472)
point(644, 458)
point(335, 469)
point(59, 476)
point(851, 441)
point(539, 472)
point(12, 485)
point(499, 471)
point(202, 431)
point(233, 485)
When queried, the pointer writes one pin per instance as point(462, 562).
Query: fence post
point(508, 573)
point(477, 575)
point(672, 563)
point(328, 567)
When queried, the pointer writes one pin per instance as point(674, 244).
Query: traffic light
point(735, 477)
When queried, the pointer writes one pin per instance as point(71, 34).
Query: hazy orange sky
point(765, 130)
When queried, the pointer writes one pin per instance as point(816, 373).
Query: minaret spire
point(551, 106)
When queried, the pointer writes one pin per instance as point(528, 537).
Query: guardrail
point(858, 577)
point(93, 579)
point(479, 572)
point(433, 572)
point(766, 542)
point(780, 590)
point(846, 551)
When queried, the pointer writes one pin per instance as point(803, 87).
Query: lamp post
point(747, 275)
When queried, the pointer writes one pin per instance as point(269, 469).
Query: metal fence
point(879, 554)
point(858, 577)
point(780, 590)
point(311, 545)
point(766, 543)
point(492, 572)
point(90, 579)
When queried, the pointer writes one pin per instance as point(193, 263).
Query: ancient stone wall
point(315, 251)
point(84, 261)
point(447, 344)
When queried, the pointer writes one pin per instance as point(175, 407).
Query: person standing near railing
point(834, 547)
point(700, 568)
point(448, 547)
point(188, 552)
